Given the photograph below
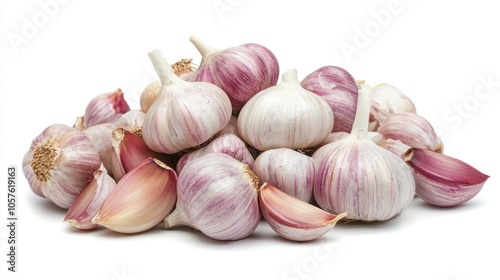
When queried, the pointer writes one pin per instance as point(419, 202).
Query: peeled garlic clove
point(228, 144)
point(293, 218)
point(338, 88)
point(105, 108)
point(59, 163)
point(101, 138)
point(217, 195)
point(90, 200)
point(141, 199)
point(185, 114)
point(287, 170)
point(387, 100)
point(130, 150)
point(413, 130)
point(131, 121)
point(357, 176)
point(285, 116)
point(241, 72)
point(443, 180)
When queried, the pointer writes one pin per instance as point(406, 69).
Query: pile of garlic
point(218, 146)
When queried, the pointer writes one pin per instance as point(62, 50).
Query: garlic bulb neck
point(290, 77)
point(163, 69)
point(204, 49)
point(361, 121)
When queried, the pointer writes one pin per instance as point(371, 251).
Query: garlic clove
point(79, 123)
point(285, 116)
point(443, 180)
point(287, 170)
point(293, 218)
point(231, 127)
point(59, 162)
point(229, 144)
point(217, 195)
point(105, 108)
point(185, 114)
point(141, 199)
point(387, 100)
point(130, 150)
point(90, 200)
point(338, 88)
point(241, 72)
point(413, 130)
point(398, 148)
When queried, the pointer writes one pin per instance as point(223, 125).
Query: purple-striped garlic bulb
point(59, 163)
point(185, 114)
point(338, 88)
point(443, 180)
point(217, 195)
point(288, 170)
point(285, 116)
point(357, 176)
point(240, 71)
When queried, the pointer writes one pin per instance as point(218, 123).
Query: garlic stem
point(290, 77)
point(361, 121)
point(162, 68)
point(204, 49)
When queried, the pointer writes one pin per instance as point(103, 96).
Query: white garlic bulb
point(185, 114)
point(357, 176)
point(285, 116)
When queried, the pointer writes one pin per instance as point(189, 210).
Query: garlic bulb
point(241, 72)
point(228, 144)
point(287, 170)
point(105, 108)
point(338, 88)
point(293, 218)
point(185, 114)
point(59, 163)
point(141, 200)
point(285, 116)
point(356, 176)
point(90, 200)
point(101, 138)
point(217, 195)
point(413, 130)
point(387, 100)
point(443, 180)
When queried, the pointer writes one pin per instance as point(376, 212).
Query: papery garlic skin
point(101, 138)
point(293, 218)
point(413, 130)
point(443, 180)
point(229, 144)
point(59, 163)
point(186, 114)
point(241, 72)
point(338, 88)
point(387, 100)
point(287, 170)
point(149, 95)
point(356, 176)
point(217, 195)
point(285, 116)
point(141, 199)
point(105, 108)
point(90, 200)
point(131, 121)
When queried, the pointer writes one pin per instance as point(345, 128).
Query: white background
point(437, 53)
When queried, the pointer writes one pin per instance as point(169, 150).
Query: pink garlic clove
point(411, 129)
point(90, 200)
point(105, 108)
point(443, 180)
point(141, 200)
point(292, 218)
point(387, 100)
point(131, 121)
point(101, 138)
